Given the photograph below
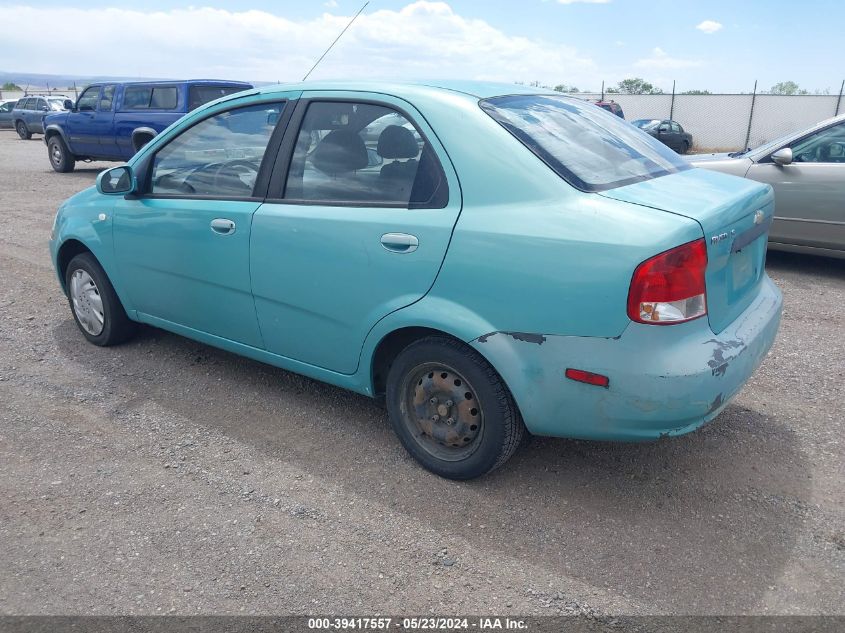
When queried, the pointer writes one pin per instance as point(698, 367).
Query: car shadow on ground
point(709, 516)
point(784, 263)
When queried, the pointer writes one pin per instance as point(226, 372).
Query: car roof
point(477, 89)
point(151, 82)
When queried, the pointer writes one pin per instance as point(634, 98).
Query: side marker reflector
point(588, 377)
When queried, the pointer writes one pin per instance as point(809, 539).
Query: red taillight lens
point(669, 288)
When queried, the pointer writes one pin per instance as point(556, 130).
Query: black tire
point(23, 131)
point(449, 448)
point(116, 326)
point(684, 147)
point(61, 159)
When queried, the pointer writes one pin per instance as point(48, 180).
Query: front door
point(809, 192)
point(183, 245)
point(82, 135)
point(365, 202)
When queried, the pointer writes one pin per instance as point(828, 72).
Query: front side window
point(825, 146)
point(585, 146)
point(676, 128)
point(107, 98)
point(56, 105)
point(88, 100)
point(219, 156)
point(360, 154)
point(7, 107)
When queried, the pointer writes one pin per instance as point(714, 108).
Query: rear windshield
point(588, 147)
point(199, 95)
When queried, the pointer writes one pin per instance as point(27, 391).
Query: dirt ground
point(164, 476)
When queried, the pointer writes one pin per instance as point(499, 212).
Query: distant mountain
point(62, 82)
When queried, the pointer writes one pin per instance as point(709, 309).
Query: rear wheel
point(23, 131)
point(451, 410)
point(94, 303)
point(60, 157)
point(684, 147)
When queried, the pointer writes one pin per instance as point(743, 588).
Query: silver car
point(807, 171)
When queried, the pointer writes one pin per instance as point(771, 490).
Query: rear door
point(362, 205)
point(809, 192)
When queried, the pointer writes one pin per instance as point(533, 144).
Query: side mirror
point(783, 156)
point(116, 181)
point(68, 104)
point(45, 109)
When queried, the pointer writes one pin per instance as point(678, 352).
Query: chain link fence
point(728, 122)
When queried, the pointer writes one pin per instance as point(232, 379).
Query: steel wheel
point(87, 302)
point(56, 154)
point(442, 411)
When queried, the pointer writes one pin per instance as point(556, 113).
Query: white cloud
point(423, 39)
point(660, 59)
point(709, 26)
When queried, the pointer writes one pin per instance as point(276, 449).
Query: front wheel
point(94, 303)
point(60, 157)
point(23, 131)
point(451, 410)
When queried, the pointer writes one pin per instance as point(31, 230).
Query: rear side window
point(586, 146)
point(29, 104)
point(107, 98)
point(363, 154)
point(200, 95)
point(150, 97)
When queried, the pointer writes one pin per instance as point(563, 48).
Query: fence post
point(602, 90)
point(839, 100)
point(750, 116)
point(672, 104)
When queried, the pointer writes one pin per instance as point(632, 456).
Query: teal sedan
point(488, 260)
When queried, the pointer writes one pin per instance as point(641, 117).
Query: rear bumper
point(665, 380)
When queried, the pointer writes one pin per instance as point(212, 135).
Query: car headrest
point(396, 141)
point(339, 152)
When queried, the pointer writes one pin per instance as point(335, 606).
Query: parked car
point(29, 112)
point(259, 224)
point(807, 171)
point(612, 107)
point(6, 106)
point(668, 132)
point(112, 121)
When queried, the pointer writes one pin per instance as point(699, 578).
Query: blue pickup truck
point(112, 121)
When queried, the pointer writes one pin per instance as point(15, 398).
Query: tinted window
point(199, 95)
point(219, 156)
point(107, 98)
point(137, 97)
point(29, 104)
point(88, 100)
point(6, 107)
point(676, 128)
point(164, 97)
point(363, 153)
point(584, 145)
point(41, 104)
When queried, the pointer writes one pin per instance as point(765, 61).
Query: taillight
point(669, 288)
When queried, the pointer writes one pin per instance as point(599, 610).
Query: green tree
point(787, 88)
point(11, 86)
point(565, 88)
point(635, 86)
point(696, 92)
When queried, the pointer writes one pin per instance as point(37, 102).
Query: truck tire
point(23, 131)
point(61, 159)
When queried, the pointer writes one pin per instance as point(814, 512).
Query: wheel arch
point(54, 130)
point(67, 251)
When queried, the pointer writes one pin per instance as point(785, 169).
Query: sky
point(718, 45)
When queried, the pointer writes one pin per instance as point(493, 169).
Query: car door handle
point(222, 226)
point(400, 242)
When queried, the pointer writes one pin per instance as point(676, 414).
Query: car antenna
point(364, 6)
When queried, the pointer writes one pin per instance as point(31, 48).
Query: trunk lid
point(734, 214)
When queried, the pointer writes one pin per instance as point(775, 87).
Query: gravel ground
point(164, 476)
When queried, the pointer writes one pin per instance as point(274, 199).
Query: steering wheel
point(232, 171)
